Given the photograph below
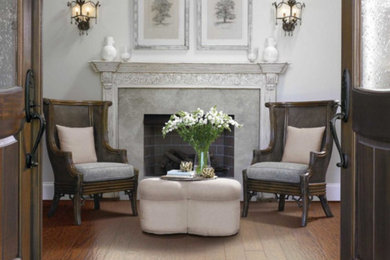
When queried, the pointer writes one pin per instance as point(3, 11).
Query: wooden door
point(11, 120)
point(365, 183)
point(20, 186)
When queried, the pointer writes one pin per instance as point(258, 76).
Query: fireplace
point(138, 89)
point(163, 154)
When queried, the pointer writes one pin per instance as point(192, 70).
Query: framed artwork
point(224, 24)
point(161, 24)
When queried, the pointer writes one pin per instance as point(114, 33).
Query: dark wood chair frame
point(67, 180)
point(313, 182)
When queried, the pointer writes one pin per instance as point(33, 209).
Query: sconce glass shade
point(82, 12)
point(290, 12)
point(76, 10)
point(297, 12)
point(89, 9)
point(282, 11)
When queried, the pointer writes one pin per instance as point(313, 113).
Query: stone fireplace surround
point(136, 89)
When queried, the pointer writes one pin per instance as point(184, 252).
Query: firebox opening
point(163, 154)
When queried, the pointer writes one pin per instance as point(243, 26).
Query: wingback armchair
point(111, 172)
point(268, 174)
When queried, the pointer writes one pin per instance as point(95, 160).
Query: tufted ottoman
point(207, 208)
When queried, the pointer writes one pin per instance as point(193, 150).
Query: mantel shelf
point(189, 68)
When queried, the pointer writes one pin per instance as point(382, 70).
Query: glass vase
point(202, 160)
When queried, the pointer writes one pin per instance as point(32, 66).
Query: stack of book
point(180, 174)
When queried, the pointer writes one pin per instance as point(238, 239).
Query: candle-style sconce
point(82, 12)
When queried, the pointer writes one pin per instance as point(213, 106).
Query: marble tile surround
point(155, 88)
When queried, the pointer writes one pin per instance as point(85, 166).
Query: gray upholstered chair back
point(76, 114)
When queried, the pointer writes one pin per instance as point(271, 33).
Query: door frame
point(351, 57)
point(37, 172)
point(29, 49)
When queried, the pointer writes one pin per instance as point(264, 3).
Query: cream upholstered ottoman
point(207, 208)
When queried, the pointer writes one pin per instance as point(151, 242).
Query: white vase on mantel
point(109, 52)
point(271, 53)
point(126, 55)
point(252, 54)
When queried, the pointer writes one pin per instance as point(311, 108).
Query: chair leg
point(305, 198)
point(54, 204)
point(246, 195)
point(133, 201)
point(305, 209)
point(96, 200)
point(246, 205)
point(325, 206)
point(77, 208)
point(282, 200)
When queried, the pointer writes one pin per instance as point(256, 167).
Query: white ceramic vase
point(109, 52)
point(270, 54)
point(126, 55)
point(252, 54)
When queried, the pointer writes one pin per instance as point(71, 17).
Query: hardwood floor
point(111, 233)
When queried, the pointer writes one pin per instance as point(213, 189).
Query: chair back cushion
point(79, 141)
point(300, 142)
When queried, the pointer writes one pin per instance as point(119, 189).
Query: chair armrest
point(265, 155)
point(318, 166)
point(110, 154)
point(63, 166)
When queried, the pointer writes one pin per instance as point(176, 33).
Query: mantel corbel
point(272, 72)
point(106, 80)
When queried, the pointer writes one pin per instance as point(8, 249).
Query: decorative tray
point(196, 178)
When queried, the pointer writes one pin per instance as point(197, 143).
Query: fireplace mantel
point(192, 68)
point(155, 75)
point(135, 82)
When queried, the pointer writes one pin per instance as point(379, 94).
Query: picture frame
point(224, 24)
point(161, 24)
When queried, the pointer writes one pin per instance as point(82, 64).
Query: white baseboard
point(48, 191)
point(333, 192)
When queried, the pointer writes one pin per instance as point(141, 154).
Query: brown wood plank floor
point(111, 233)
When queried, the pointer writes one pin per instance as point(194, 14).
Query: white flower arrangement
point(198, 128)
point(212, 121)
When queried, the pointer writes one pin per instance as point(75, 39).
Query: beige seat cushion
point(79, 141)
point(300, 142)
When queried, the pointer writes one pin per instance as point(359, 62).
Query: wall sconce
point(82, 12)
point(290, 13)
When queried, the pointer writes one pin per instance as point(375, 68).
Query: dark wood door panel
point(382, 203)
point(372, 199)
point(9, 201)
point(371, 113)
point(364, 199)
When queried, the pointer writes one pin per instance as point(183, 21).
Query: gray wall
point(314, 52)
